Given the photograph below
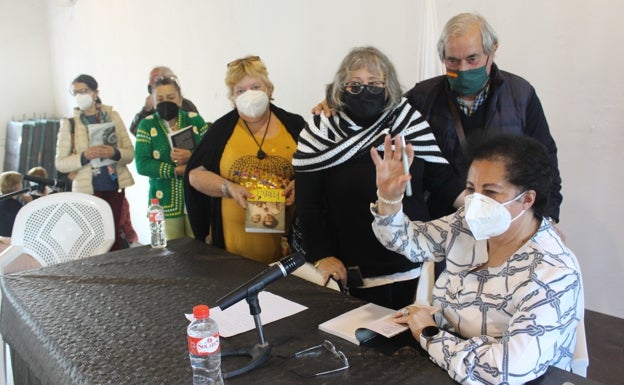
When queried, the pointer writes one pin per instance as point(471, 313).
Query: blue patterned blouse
point(502, 324)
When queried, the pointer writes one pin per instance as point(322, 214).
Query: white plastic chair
point(580, 359)
point(61, 227)
point(424, 290)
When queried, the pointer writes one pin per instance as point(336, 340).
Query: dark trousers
point(115, 199)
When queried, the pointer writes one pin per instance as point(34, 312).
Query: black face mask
point(167, 110)
point(365, 107)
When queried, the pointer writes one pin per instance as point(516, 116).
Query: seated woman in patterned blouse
point(511, 295)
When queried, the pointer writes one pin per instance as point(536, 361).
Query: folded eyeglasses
point(329, 346)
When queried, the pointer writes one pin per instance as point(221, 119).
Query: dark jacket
point(512, 107)
point(204, 212)
point(8, 211)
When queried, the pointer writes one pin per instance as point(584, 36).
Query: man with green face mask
point(476, 98)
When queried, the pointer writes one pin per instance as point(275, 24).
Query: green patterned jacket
point(152, 159)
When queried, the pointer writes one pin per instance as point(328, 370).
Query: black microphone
point(281, 269)
point(45, 181)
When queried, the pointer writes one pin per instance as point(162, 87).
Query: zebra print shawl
point(328, 142)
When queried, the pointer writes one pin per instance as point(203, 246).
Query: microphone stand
point(260, 352)
point(14, 193)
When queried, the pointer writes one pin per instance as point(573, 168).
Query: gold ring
point(405, 312)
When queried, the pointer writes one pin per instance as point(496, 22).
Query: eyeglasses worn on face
point(81, 91)
point(355, 88)
point(329, 346)
point(243, 60)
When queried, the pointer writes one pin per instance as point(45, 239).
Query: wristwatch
point(427, 334)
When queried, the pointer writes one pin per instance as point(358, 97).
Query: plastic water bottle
point(157, 224)
point(204, 348)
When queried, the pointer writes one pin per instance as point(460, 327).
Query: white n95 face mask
point(252, 103)
point(84, 101)
point(487, 217)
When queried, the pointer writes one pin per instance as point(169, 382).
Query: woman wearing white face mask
point(511, 294)
point(96, 148)
point(249, 148)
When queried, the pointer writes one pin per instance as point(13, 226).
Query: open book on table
point(363, 323)
point(182, 138)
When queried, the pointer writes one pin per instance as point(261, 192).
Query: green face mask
point(468, 82)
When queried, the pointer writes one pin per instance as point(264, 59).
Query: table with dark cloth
point(118, 318)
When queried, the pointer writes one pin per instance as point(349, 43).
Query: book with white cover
point(102, 134)
point(363, 323)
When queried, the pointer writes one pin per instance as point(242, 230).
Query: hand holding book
point(182, 138)
point(266, 212)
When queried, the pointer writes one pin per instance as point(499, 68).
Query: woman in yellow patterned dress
point(249, 148)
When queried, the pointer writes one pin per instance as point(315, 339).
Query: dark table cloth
point(118, 318)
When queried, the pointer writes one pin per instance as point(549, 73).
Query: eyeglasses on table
point(329, 346)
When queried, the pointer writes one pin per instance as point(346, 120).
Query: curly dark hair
point(527, 164)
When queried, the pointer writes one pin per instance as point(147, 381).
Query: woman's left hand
point(105, 151)
point(289, 193)
point(180, 156)
point(416, 318)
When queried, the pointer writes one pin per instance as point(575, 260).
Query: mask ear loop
point(515, 199)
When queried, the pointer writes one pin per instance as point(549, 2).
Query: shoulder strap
point(72, 130)
point(459, 129)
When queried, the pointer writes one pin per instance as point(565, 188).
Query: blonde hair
point(38, 171)
point(248, 66)
point(10, 181)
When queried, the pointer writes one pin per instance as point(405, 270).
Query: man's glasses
point(355, 88)
point(329, 346)
point(243, 60)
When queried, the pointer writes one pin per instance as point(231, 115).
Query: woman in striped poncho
point(335, 178)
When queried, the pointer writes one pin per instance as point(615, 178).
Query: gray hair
point(376, 62)
point(460, 24)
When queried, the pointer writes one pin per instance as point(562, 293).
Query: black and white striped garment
point(328, 142)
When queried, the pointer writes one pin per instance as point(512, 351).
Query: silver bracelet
point(388, 201)
point(224, 189)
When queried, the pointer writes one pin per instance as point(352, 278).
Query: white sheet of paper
point(236, 319)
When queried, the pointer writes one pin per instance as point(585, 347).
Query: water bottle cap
point(201, 311)
point(154, 201)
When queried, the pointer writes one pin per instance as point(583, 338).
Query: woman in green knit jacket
point(163, 164)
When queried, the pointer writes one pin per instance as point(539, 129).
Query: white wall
point(25, 65)
point(572, 57)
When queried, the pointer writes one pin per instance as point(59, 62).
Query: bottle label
point(155, 216)
point(203, 346)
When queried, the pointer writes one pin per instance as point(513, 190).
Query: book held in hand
point(266, 211)
point(102, 134)
point(363, 323)
point(182, 138)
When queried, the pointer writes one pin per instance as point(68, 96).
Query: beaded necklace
point(166, 127)
point(260, 154)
